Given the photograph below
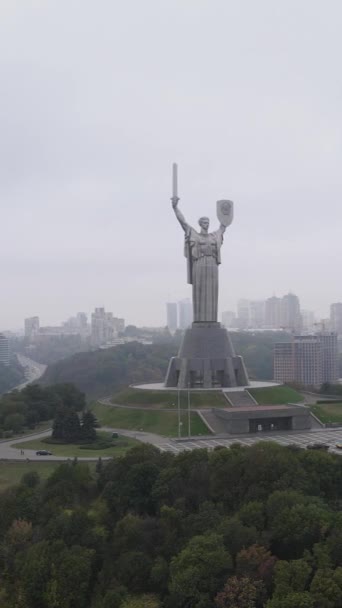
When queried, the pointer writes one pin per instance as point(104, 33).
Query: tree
point(66, 426)
point(291, 577)
point(256, 562)
point(142, 601)
point(14, 422)
point(199, 570)
point(292, 600)
point(326, 588)
point(54, 575)
point(88, 426)
point(238, 593)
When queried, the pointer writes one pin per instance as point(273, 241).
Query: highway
point(33, 371)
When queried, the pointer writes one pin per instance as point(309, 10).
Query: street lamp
point(189, 417)
point(178, 409)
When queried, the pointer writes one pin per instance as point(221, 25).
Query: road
point(33, 371)
point(301, 439)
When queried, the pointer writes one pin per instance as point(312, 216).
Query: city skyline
point(334, 312)
point(250, 111)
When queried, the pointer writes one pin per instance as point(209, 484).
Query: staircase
point(216, 424)
point(239, 399)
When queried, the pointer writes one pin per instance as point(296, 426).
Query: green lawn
point(120, 447)
point(11, 473)
point(275, 395)
point(328, 413)
point(168, 399)
point(151, 421)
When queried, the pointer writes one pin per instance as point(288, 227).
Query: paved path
point(301, 439)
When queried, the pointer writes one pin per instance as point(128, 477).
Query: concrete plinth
point(206, 359)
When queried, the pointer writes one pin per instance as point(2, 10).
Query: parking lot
point(329, 437)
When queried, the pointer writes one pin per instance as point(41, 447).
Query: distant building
point(77, 325)
point(283, 362)
point(308, 321)
point(105, 327)
point(243, 314)
point(4, 350)
point(336, 318)
point(290, 313)
point(308, 359)
point(257, 314)
point(229, 318)
point(273, 313)
point(31, 328)
point(329, 349)
point(185, 313)
point(171, 316)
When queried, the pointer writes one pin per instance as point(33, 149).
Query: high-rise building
point(290, 313)
point(105, 327)
point(308, 321)
point(283, 362)
point(243, 314)
point(336, 318)
point(307, 359)
point(329, 349)
point(229, 318)
point(273, 313)
point(4, 350)
point(171, 316)
point(185, 313)
point(257, 314)
point(31, 328)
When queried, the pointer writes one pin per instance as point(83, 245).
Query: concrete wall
point(238, 421)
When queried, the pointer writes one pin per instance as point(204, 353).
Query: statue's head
point(204, 223)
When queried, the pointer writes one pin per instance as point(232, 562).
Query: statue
point(206, 357)
point(203, 253)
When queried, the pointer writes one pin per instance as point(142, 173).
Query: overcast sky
point(99, 98)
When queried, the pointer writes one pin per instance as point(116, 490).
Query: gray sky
point(99, 98)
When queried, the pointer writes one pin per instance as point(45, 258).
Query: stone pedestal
point(206, 359)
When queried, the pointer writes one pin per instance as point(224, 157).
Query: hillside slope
point(103, 372)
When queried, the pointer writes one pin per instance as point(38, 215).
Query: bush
point(102, 444)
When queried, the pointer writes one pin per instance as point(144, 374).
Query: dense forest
point(10, 375)
point(235, 528)
point(104, 372)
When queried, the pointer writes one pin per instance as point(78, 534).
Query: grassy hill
point(328, 412)
point(168, 399)
point(151, 421)
point(275, 395)
point(104, 372)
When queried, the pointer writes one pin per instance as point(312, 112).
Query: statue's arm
point(179, 215)
point(222, 229)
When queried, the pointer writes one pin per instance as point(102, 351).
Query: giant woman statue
point(203, 253)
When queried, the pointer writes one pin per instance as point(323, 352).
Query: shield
point(225, 212)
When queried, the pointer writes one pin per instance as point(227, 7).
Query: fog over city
point(99, 98)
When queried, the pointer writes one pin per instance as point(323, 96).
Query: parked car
point(318, 446)
point(115, 435)
point(338, 446)
point(43, 453)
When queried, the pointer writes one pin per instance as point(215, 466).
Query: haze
point(99, 98)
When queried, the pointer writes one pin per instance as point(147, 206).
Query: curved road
point(8, 452)
point(33, 371)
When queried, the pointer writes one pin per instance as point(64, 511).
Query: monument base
point(206, 359)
